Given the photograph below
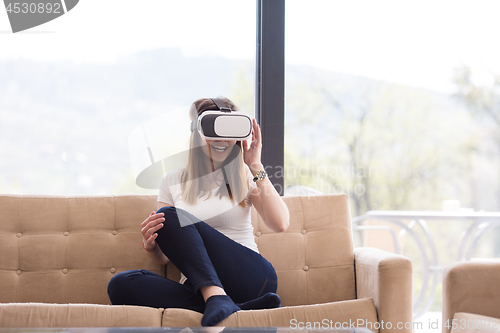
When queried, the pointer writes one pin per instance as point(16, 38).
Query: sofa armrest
point(471, 323)
point(387, 278)
point(471, 287)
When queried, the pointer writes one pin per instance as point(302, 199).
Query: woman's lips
point(219, 149)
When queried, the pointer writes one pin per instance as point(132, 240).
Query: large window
point(394, 103)
point(397, 105)
point(74, 89)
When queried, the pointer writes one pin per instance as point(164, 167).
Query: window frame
point(270, 87)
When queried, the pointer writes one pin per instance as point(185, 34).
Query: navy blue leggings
point(206, 257)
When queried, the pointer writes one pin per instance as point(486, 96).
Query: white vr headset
point(223, 124)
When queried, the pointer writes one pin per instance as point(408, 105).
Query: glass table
point(184, 330)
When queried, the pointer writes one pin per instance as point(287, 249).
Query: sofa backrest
point(314, 257)
point(66, 249)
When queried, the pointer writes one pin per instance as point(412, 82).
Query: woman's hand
point(149, 228)
point(252, 154)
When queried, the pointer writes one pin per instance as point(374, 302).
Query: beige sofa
point(471, 297)
point(57, 255)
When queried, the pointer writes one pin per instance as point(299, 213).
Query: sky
point(417, 43)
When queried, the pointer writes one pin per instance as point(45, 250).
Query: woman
point(203, 227)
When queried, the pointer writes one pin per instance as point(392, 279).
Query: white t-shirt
point(229, 218)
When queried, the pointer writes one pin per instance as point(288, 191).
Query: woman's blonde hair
point(193, 184)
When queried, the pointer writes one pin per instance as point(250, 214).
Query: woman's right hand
point(149, 228)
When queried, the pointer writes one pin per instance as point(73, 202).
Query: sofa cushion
point(77, 315)
point(473, 323)
point(315, 252)
point(325, 315)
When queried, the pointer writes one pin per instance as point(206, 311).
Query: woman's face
point(219, 149)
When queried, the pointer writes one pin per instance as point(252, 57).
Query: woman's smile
point(218, 151)
point(218, 147)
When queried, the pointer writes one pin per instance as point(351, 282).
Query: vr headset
point(223, 124)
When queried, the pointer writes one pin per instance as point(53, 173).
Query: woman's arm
point(269, 204)
point(266, 200)
point(149, 228)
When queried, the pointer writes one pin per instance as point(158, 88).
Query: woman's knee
point(176, 218)
point(169, 213)
point(171, 220)
point(166, 209)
